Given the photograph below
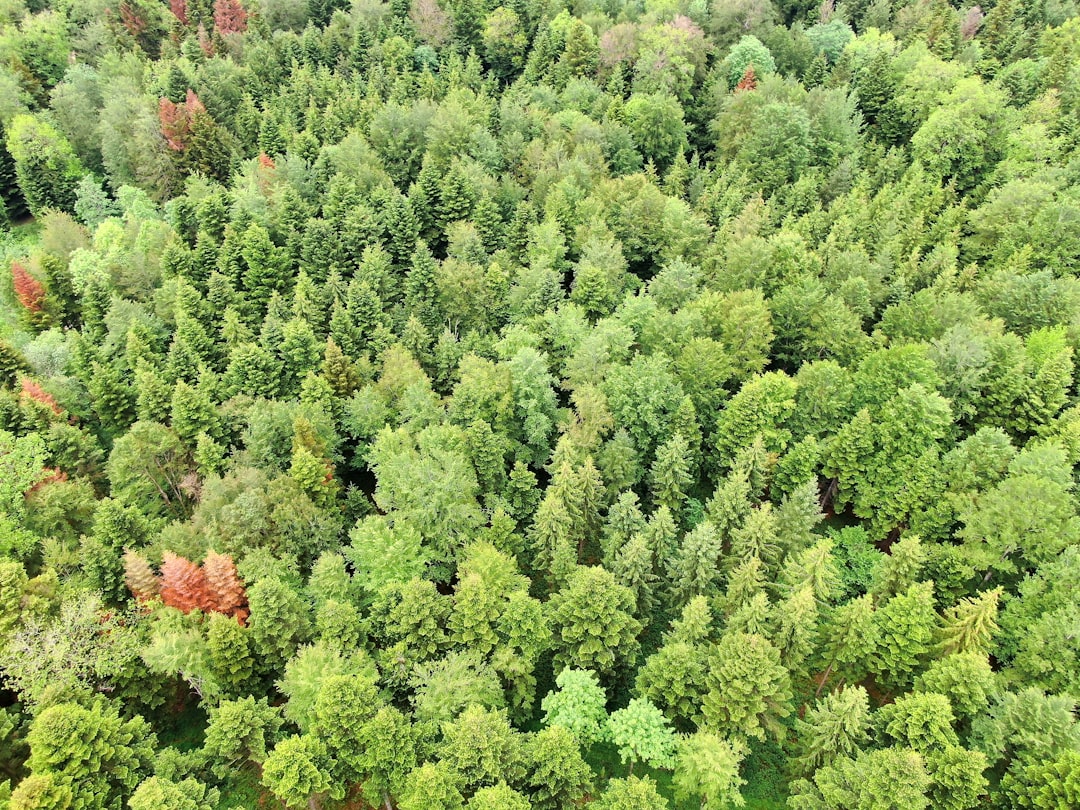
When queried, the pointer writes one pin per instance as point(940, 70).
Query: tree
point(1053, 785)
point(656, 122)
point(836, 726)
point(964, 137)
point(344, 705)
point(905, 632)
point(921, 720)
point(748, 54)
point(226, 592)
point(707, 766)
point(46, 166)
point(632, 793)
point(388, 742)
point(966, 679)
point(885, 779)
point(748, 689)
point(188, 794)
point(139, 577)
point(592, 621)
point(297, 771)
point(432, 786)
point(558, 775)
point(578, 706)
point(969, 625)
point(505, 42)
point(850, 639)
point(148, 468)
point(481, 746)
point(279, 621)
point(308, 671)
point(231, 662)
point(183, 584)
point(641, 732)
point(230, 17)
point(959, 783)
point(92, 754)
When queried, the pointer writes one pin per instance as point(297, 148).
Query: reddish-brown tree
point(140, 577)
point(748, 80)
point(183, 584)
point(179, 10)
point(30, 390)
point(176, 120)
point(227, 594)
point(205, 42)
point(30, 292)
point(229, 17)
point(131, 19)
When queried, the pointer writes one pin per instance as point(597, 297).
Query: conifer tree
point(748, 689)
point(183, 584)
point(140, 577)
point(969, 625)
point(836, 726)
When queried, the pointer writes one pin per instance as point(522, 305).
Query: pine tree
point(796, 622)
point(902, 568)
point(456, 197)
point(748, 689)
point(231, 662)
point(695, 568)
point(836, 726)
point(633, 567)
point(489, 223)
point(905, 630)
point(670, 474)
point(969, 626)
point(850, 639)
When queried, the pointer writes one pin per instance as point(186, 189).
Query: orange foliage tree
point(215, 586)
point(183, 584)
point(29, 291)
point(227, 594)
point(229, 17)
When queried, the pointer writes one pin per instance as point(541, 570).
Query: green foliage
point(91, 754)
point(641, 733)
point(578, 705)
point(593, 621)
point(492, 341)
point(707, 766)
point(748, 688)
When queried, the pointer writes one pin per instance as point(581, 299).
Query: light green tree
point(642, 733)
point(707, 767)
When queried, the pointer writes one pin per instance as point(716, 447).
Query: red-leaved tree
point(229, 17)
point(748, 80)
point(183, 584)
point(176, 120)
point(30, 390)
point(227, 594)
point(131, 19)
point(179, 10)
point(29, 291)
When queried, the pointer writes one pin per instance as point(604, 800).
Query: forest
point(621, 404)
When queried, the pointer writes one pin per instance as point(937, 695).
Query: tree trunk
point(824, 678)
